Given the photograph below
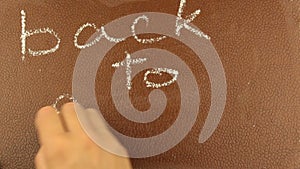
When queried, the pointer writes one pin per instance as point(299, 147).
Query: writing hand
point(72, 149)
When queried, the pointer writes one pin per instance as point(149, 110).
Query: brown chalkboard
point(257, 43)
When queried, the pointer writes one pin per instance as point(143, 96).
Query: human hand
point(71, 149)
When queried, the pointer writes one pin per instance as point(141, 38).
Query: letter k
point(184, 22)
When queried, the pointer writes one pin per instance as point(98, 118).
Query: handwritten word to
point(158, 71)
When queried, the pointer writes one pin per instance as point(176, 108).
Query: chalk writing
point(181, 23)
point(128, 62)
point(158, 71)
point(97, 39)
point(25, 34)
point(144, 41)
point(184, 23)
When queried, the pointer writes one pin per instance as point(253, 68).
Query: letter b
point(25, 34)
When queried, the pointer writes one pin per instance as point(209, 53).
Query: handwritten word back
point(181, 23)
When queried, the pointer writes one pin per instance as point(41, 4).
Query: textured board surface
point(257, 41)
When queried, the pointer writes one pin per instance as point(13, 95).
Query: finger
point(96, 127)
point(48, 124)
point(40, 160)
point(70, 117)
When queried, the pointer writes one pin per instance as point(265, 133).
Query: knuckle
point(45, 109)
point(68, 107)
point(42, 113)
point(58, 147)
point(38, 158)
point(87, 143)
